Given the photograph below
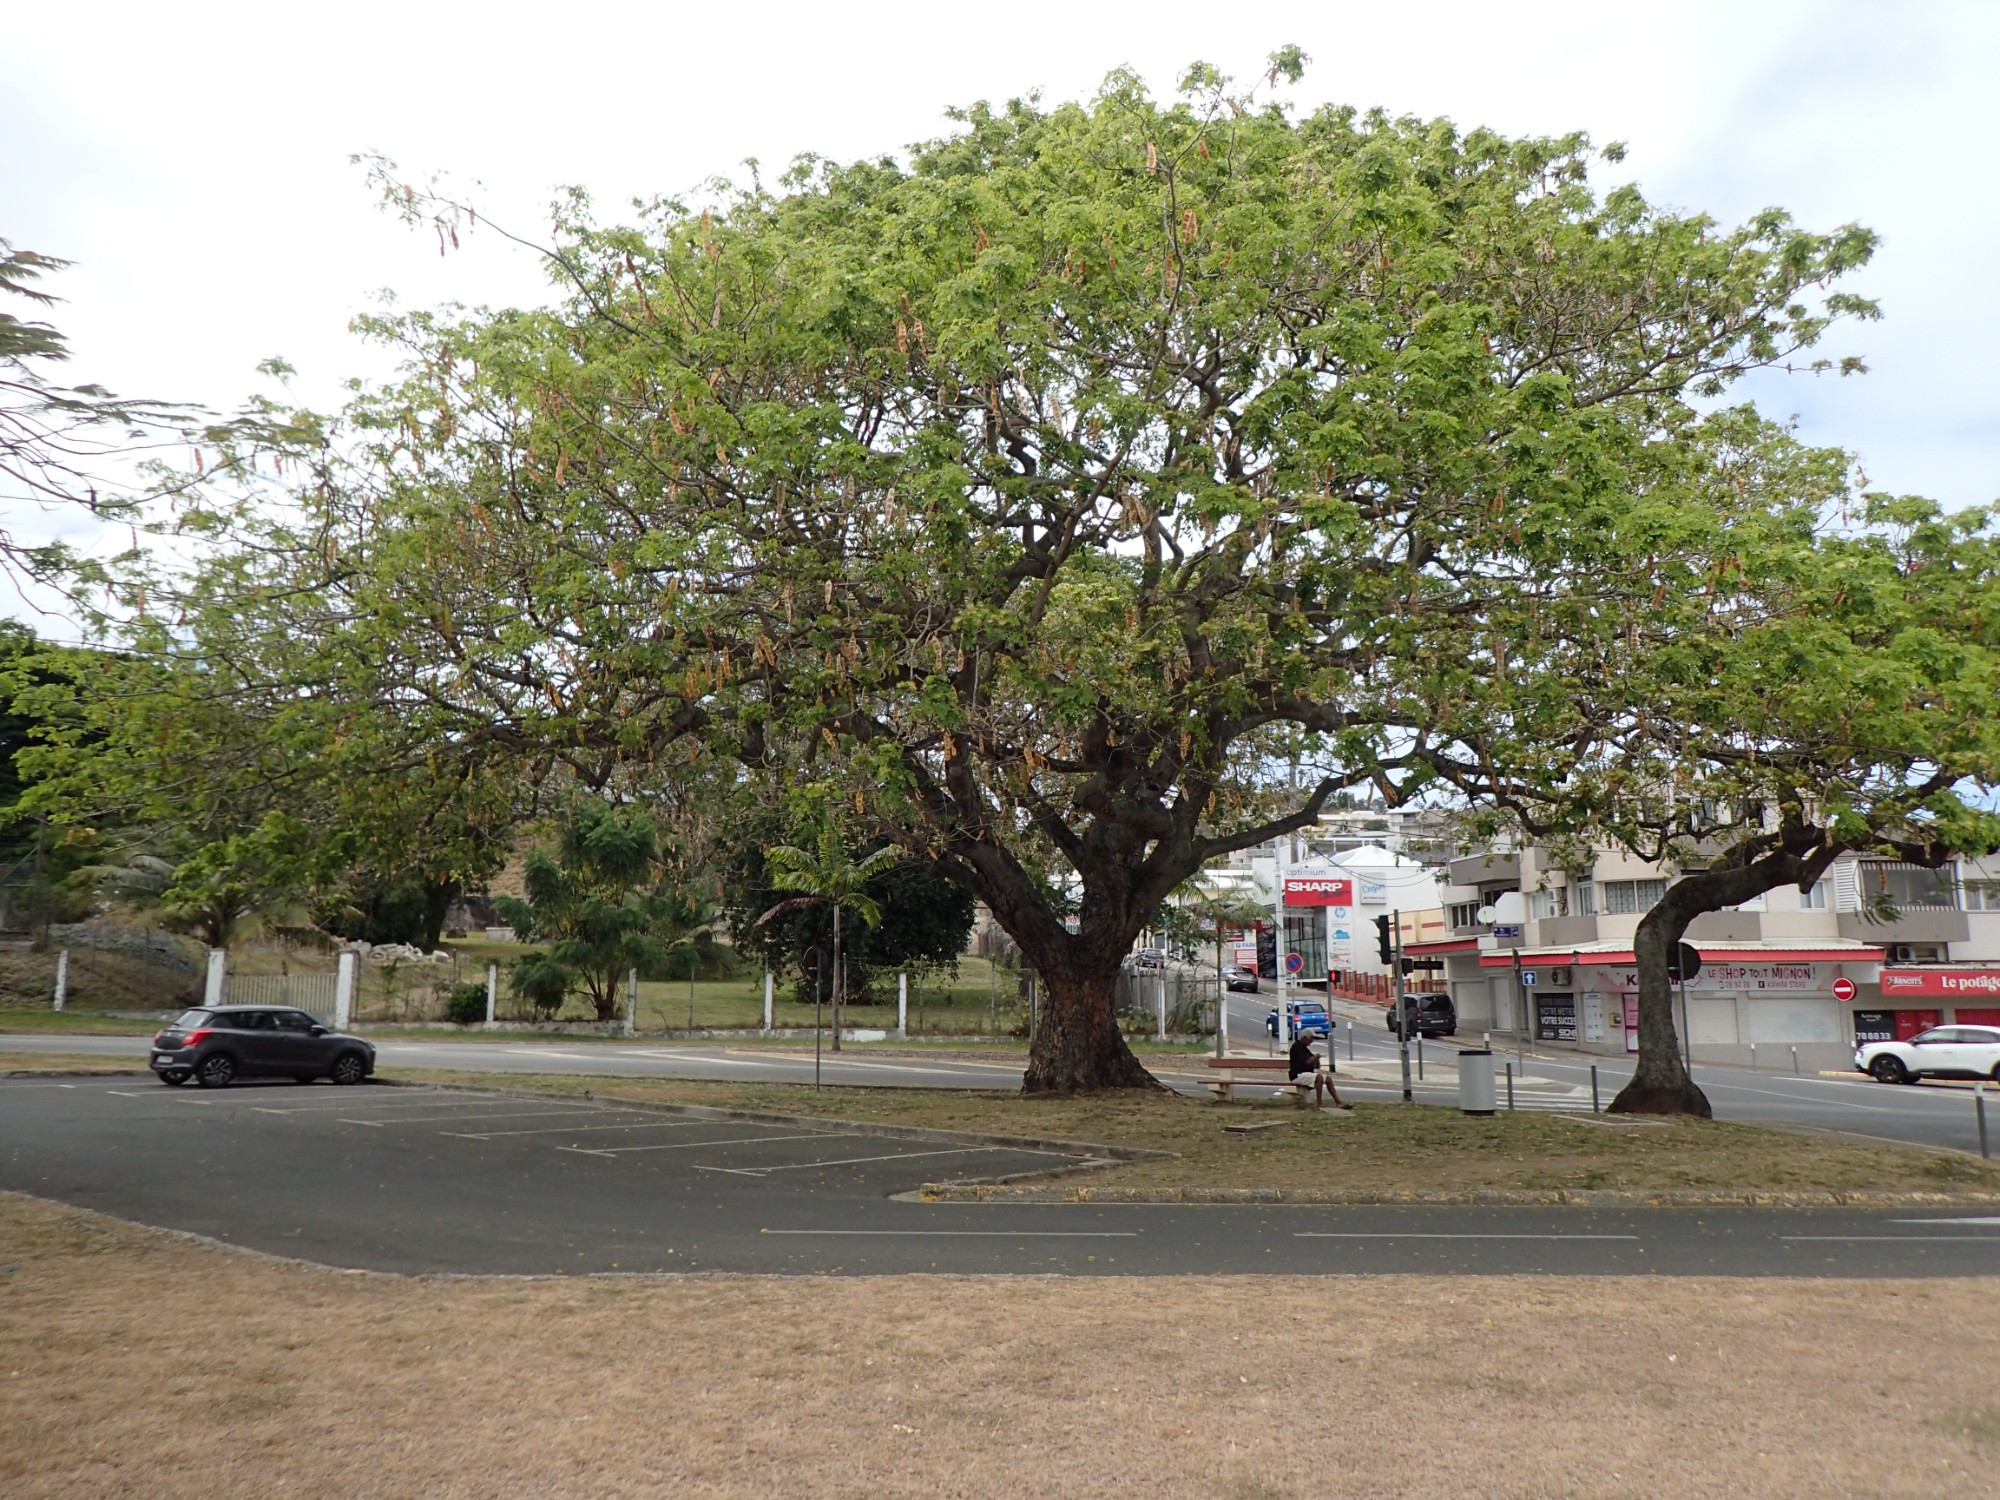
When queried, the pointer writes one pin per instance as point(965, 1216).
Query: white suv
point(1941, 1052)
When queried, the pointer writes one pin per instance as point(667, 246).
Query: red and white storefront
point(1745, 997)
point(1909, 1000)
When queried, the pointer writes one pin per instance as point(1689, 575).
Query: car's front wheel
point(349, 1067)
point(217, 1070)
point(1887, 1069)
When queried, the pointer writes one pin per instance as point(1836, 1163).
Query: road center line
point(995, 1234)
point(1332, 1234)
point(1896, 1239)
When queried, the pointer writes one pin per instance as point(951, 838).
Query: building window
point(1465, 914)
point(1625, 897)
point(1817, 896)
point(1586, 898)
point(1982, 895)
point(1547, 903)
point(1904, 886)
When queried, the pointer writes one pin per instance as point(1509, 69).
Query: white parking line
point(457, 1115)
point(1328, 1234)
point(488, 1135)
point(743, 1140)
point(851, 1161)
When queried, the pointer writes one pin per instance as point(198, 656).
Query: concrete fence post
point(62, 978)
point(767, 1002)
point(1160, 1011)
point(492, 991)
point(218, 968)
point(902, 1005)
point(632, 1003)
point(343, 987)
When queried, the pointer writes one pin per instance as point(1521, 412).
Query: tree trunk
point(1077, 1048)
point(1660, 1084)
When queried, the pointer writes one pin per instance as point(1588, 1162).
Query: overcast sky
point(193, 158)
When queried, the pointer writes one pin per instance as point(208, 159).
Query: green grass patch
point(68, 1062)
point(41, 1020)
point(1385, 1148)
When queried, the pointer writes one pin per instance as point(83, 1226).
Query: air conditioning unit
point(1901, 953)
point(1559, 977)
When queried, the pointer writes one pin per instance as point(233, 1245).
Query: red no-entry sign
point(1843, 989)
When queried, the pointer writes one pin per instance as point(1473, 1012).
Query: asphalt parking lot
point(442, 1181)
point(421, 1180)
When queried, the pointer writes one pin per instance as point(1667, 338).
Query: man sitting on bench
point(1305, 1064)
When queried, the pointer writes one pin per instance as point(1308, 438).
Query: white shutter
point(1847, 885)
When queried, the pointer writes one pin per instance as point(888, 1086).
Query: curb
point(995, 1192)
point(77, 1073)
point(1098, 1155)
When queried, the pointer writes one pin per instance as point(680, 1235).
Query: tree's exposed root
point(1640, 1097)
point(1098, 1076)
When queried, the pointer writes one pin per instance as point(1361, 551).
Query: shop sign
point(1940, 982)
point(1318, 890)
point(1729, 978)
point(1555, 1018)
point(1631, 1023)
point(1874, 1026)
point(1374, 893)
point(1593, 1016)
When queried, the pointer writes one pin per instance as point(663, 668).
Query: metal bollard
point(1979, 1108)
point(1594, 1106)
point(1420, 1057)
point(1795, 1062)
point(1510, 1085)
point(1753, 1057)
point(1350, 1041)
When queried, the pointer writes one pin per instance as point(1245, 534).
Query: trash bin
point(1475, 1081)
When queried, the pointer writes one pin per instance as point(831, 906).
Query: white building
point(1812, 970)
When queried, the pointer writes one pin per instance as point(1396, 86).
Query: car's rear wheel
point(1887, 1069)
point(174, 1077)
point(349, 1067)
point(216, 1071)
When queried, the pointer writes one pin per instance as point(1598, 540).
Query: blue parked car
point(1301, 1016)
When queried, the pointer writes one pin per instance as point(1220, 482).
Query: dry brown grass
point(1385, 1148)
point(137, 1363)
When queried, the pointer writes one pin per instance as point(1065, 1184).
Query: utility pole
point(1278, 947)
point(1396, 995)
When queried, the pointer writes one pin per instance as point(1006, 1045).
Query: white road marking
point(455, 1115)
point(851, 1161)
point(1329, 1234)
point(995, 1234)
point(742, 1140)
point(1987, 1221)
point(1898, 1239)
point(469, 1135)
point(129, 1094)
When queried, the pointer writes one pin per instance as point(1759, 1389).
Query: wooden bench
point(1266, 1072)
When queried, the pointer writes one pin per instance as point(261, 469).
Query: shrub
point(466, 1004)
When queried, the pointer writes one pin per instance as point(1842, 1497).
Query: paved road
point(414, 1180)
point(1930, 1114)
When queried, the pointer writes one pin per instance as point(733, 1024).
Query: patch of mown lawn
point(1378, 1148)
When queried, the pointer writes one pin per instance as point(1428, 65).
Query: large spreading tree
point(1033, 490)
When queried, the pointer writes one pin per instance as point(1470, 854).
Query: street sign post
point(1843, 989)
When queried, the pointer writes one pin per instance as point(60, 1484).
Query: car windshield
point(188, 1020)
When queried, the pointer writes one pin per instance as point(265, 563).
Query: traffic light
point(1383, 944)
